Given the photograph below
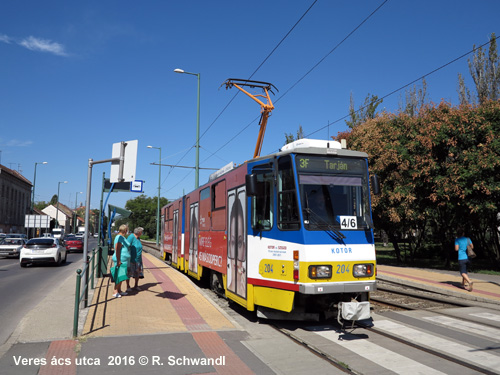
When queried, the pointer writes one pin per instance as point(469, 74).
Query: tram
point(289, 235)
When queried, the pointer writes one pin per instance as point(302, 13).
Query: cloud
point(18, 143)
point(43, 45)
point(5, 38)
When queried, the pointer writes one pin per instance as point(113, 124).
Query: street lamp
point(76, 204)
point(34, 181)
point(158, 208)
point(57, 212)
point(197, 165)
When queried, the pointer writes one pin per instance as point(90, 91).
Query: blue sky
point(77, 77)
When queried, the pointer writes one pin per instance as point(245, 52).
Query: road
point(21, 289)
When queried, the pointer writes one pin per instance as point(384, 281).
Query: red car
point(73, 243)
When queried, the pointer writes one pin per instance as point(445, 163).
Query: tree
point(414, 100)
point(143, 213)
point(40, 205)
point(439, 170)
point(485, 72)
point(289, 138)
point(367, 111)
point(54, 199)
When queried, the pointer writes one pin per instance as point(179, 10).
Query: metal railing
point(83, 295)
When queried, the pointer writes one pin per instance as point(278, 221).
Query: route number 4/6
point(348, 222)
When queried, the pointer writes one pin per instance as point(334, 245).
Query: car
point(43, 250)
point(73, 243)
point(58, 233)
point(11, 246)
point(17, 235)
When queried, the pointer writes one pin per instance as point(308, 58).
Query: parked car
point(43, 250)
point(11, 246)
point(73, 243)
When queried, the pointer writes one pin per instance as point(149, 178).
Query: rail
point(84, 295)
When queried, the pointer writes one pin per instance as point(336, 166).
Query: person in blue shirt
point(135, 269)
point(121, 259)
point(461, 243)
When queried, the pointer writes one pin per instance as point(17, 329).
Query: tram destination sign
point(323, 164)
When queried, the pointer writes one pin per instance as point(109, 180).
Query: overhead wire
point(309, 71)
point(410, 83)
point(232, 99)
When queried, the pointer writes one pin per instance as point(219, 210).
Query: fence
point(88, 274)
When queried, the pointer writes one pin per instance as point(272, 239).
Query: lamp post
point(34, 182)
point(197, 164)
point(57, 212)
point(76, 204)
point(159, 190)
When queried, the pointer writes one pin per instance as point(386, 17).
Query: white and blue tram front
point(310, 236)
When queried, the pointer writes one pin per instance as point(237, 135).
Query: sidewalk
point(168, 327)
point(486, 287)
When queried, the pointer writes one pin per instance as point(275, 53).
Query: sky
point(78, 77)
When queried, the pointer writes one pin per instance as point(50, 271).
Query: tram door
point(193, 237)
point(236, 242)
point(175, 237)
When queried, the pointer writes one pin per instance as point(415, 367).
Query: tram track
point(301, 332)
point(427, 350)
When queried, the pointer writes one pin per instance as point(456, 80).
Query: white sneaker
point(117, 295)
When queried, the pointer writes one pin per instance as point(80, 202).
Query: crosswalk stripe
point(383, 357)
point(487, 316)
point(477, 356)
point(468, 327)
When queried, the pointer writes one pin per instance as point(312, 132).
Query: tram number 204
point(268, 268)
point(342, 268)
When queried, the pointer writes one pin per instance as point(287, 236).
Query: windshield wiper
point(319, 221)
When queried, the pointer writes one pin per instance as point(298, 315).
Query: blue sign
point(136, 186)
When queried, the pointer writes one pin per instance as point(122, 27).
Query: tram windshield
point(334, 193)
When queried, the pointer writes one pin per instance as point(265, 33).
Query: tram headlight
point(363, 270)
point(320, 272)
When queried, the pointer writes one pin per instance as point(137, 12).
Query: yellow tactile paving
point(149, 310)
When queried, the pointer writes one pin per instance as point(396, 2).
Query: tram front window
point(334, 198)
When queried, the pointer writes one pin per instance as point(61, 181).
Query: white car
point(43, 250)
point(11, 246)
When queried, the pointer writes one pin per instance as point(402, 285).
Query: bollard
point(86, 299)
point(93, 270)
point(77, 302)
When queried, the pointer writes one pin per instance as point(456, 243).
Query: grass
point(387, 256)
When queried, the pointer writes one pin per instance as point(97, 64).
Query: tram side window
point(288, 212)
point(263, 202)
point(219, 206)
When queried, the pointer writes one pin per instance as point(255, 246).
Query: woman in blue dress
point(461, 243)
point(121, 259)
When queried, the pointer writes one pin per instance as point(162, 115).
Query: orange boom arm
point(266, 108)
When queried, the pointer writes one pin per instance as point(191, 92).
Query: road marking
point(488, 316)
point(381, 356)
point(468, 327)
point(477, 356)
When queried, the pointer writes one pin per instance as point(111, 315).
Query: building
point(15, 200)
point(64, 216)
